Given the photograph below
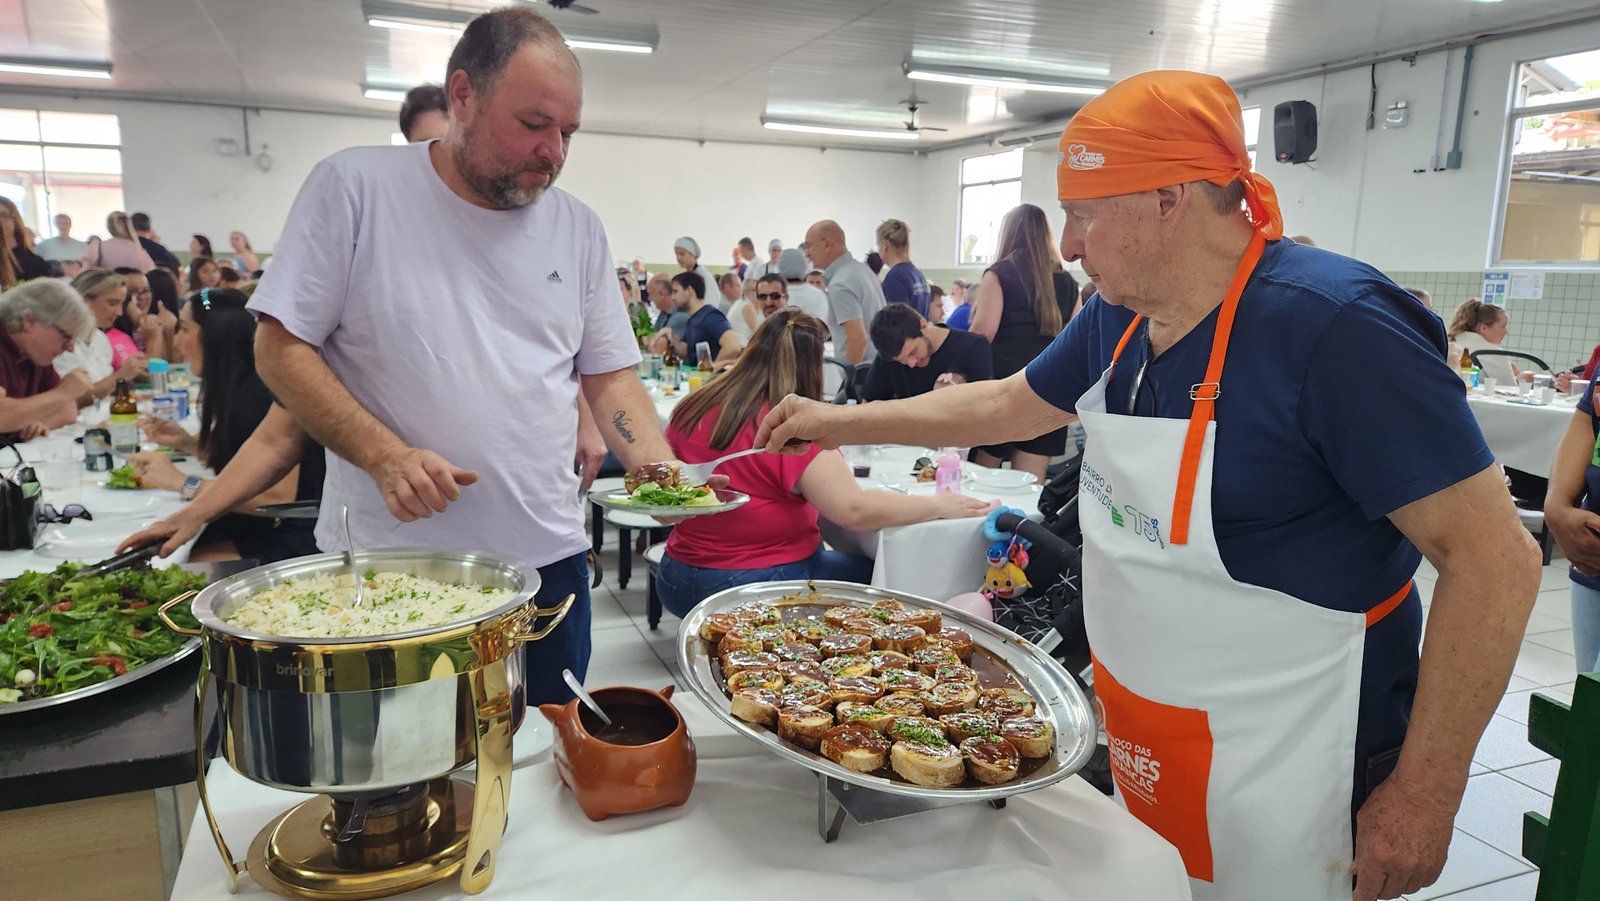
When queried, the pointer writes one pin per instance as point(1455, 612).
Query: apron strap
point(1126, 337)
point(1206, 393)
point(1389, 605)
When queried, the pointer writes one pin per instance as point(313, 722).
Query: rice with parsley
point(320, 606)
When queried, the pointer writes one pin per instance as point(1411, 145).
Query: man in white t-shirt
point(420, 399)
point(63, 248)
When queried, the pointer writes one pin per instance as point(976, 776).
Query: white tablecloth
point(937, 559)
point(117, 513)
point(1523, 436)
point(749, 829)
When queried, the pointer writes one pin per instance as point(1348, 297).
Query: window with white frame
point(990, 186)
point(1252, 131)
point(1551, 196)
point(60, 162)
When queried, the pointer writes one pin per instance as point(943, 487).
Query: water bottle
point(157, 368)
point(947, 472)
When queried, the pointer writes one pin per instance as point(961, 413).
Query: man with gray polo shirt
point(854, 295)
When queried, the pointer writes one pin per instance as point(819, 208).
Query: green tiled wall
point(1559, 328)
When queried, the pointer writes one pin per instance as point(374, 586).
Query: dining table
point(1521, 430)
point(118, 756)
point(749, 828)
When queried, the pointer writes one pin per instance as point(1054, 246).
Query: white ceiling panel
point(721, 65)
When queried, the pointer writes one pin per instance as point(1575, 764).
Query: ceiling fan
point(572, 6)
point(912, 106)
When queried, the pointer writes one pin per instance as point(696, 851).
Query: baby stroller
point(1050, 612)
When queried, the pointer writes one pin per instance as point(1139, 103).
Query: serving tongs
point(133, 556)
point(290, 510)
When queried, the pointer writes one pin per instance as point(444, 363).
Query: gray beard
point(500, 189)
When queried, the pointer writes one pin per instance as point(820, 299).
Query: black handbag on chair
point(19, 505)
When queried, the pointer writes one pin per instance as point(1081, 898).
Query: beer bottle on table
point(669, 368)
point(124, 420)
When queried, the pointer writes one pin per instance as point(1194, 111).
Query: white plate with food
point(661, 490)
point(934, 703)
point(1002, 479)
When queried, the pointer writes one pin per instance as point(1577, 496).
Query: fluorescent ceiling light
point(616, 38)
point(840, 132)
point(61, 67)
point(619, 47)
point(393, 95)
point(983, 78)
point(412, 25)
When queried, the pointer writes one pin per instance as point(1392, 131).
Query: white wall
point(171, 168)
point(1361, 197)
point(648, 191)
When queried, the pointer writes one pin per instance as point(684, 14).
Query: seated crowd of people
point(80, 317)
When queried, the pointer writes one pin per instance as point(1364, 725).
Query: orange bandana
point(1158, 129)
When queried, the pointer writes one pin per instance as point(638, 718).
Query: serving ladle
point(577, 689)
point(350, 557)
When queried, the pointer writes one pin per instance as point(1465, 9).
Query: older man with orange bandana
point(1274, 443)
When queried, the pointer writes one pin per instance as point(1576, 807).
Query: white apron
point(1230, 708)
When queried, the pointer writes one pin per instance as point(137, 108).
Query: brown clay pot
point(645, 760)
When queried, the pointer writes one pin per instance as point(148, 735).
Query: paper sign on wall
point(1527, 285)
point(1496, 287)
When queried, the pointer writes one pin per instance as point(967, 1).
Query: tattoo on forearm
point(621, 422)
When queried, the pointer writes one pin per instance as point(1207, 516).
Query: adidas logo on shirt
point(553, 277)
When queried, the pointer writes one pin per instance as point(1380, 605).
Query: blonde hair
point(895, 233)
point(91, 283)
point(1026, 243)
point(119, 225)
point(1473, 314)
point(10, 269)
point(784, 357)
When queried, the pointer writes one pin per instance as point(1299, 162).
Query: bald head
point(824, 243)
point(659, 288)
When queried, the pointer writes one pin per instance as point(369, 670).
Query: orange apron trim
point(1389, 605)
point(1206, 393)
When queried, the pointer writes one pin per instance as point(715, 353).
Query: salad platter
point(654, 499)
point(63, 639)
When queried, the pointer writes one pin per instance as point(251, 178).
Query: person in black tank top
point(1018, 327)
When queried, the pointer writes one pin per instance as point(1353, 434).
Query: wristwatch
point(191, 487)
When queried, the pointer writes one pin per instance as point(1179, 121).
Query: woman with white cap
point(687, 251)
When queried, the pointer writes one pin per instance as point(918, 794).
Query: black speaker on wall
point(1294, 131)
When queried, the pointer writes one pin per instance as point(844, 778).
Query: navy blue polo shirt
point(1336, 409)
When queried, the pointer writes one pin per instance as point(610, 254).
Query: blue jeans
point(681, 586)
point(567, 647)
point(1586, 627)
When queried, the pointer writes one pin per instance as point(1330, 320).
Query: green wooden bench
point(1566, 845)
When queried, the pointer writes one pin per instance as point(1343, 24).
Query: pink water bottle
point(947, 472)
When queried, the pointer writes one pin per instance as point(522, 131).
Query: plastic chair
point(1510, 353)
point(626, 524)
point(846, 380)
point(597, 513)
point(652, 560)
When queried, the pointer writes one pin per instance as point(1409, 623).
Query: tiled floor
point(1509, 776)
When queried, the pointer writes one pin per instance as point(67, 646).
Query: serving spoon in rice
point(350, 557)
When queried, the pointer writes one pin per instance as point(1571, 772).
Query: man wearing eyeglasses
point(1254, 511)
point(39, 321)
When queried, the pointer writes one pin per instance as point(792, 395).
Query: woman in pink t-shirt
point(775, 535)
